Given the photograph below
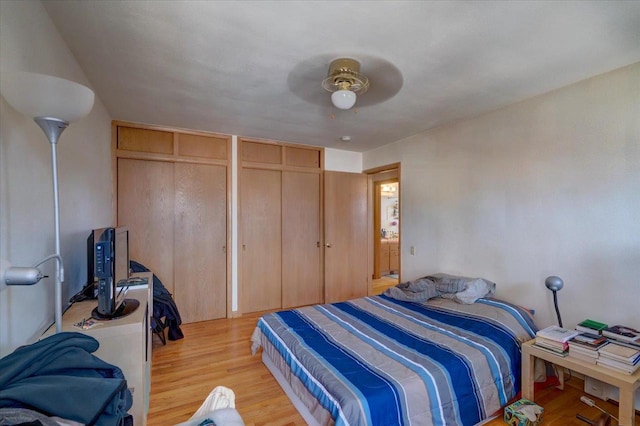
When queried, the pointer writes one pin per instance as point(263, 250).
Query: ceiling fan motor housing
point(344, 74)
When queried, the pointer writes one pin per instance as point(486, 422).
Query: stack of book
point(585, 346)
point(591, 326)
point(625, 336)
point(621, 358)
point(554, 339)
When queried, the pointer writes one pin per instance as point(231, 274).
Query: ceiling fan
point(383, 79)
point(346, 82)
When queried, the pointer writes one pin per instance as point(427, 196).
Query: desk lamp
point(555, 284)
point(53, 103)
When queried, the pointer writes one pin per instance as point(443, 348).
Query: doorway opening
point(386, 228)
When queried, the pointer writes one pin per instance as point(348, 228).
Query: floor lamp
point(53, 103)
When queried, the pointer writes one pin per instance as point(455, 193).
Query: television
point(108, 262)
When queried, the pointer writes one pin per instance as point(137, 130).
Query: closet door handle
point(328, 245)
point(318, 244)
point(244, 247)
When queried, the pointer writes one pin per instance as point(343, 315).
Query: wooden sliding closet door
point(346, 248)
point(280, 225)
point(145, 205)
point(200, 241)
point(172, 193)
point(301, 260)
point(261, 239)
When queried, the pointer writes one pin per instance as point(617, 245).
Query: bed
point(381, 361)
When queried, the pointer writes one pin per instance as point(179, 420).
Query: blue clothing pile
point(59, 376)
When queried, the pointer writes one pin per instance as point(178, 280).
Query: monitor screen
point(111, 268)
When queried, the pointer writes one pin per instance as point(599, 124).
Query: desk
point(627, 383)
point(124, 342)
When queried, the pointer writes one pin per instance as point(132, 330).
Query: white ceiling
point(254, 68)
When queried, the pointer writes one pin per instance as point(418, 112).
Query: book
point(635, 345)
point(581, 357)
point(589, 340)
point(551, 351)
point(552, 343)
point(621, 332)
point(585, 351)
point(591, 326)
point(620, 353)
point(552, 347)
point(620, 366)
point(558, 334)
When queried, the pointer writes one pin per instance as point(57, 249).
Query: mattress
point(380, 361)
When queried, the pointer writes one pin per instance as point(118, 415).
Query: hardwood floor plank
point(215, 353)
point(218, 353)
point(381, 284)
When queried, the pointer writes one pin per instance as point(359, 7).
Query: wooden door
point(145, 205)
point(260, 240)
point(301, 260)
point(200, 241)
point(345, 221)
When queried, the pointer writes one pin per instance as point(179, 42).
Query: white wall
point(338, 160)
point(30, 42)
point(549, 186)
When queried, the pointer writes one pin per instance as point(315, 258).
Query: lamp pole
point(53, 128)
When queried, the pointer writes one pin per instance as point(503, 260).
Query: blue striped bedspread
point(380, 361)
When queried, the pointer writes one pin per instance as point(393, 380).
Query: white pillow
point(474, 290)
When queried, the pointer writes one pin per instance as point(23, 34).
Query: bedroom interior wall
point(338, 160)
point(548, 186)
point(29, 41)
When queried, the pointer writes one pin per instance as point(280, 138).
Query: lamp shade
point(343, 99)
point(554, 283)
point(39, 95)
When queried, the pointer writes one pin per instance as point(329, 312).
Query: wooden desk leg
point(528, 362)
point(626, 409)
point(560, 372)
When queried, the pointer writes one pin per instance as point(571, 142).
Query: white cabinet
point(124, 342)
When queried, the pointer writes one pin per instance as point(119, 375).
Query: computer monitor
point(111, 272)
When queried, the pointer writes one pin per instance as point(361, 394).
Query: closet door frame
point(291, 157)
point(187, 152)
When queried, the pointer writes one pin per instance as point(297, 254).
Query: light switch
point(412, 250)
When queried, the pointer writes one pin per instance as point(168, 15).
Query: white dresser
point(124, 342)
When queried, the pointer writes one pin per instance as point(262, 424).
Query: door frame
point(377, 222)
point(378, 176)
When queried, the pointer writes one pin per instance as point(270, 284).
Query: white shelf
point(626, 383)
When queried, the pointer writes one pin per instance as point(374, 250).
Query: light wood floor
point(382, 283)
point(217, 352)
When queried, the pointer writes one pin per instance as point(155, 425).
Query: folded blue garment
point(59, 376)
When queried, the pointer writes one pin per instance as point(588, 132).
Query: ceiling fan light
point(343, 99)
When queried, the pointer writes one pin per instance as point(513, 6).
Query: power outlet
point(594, 388)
